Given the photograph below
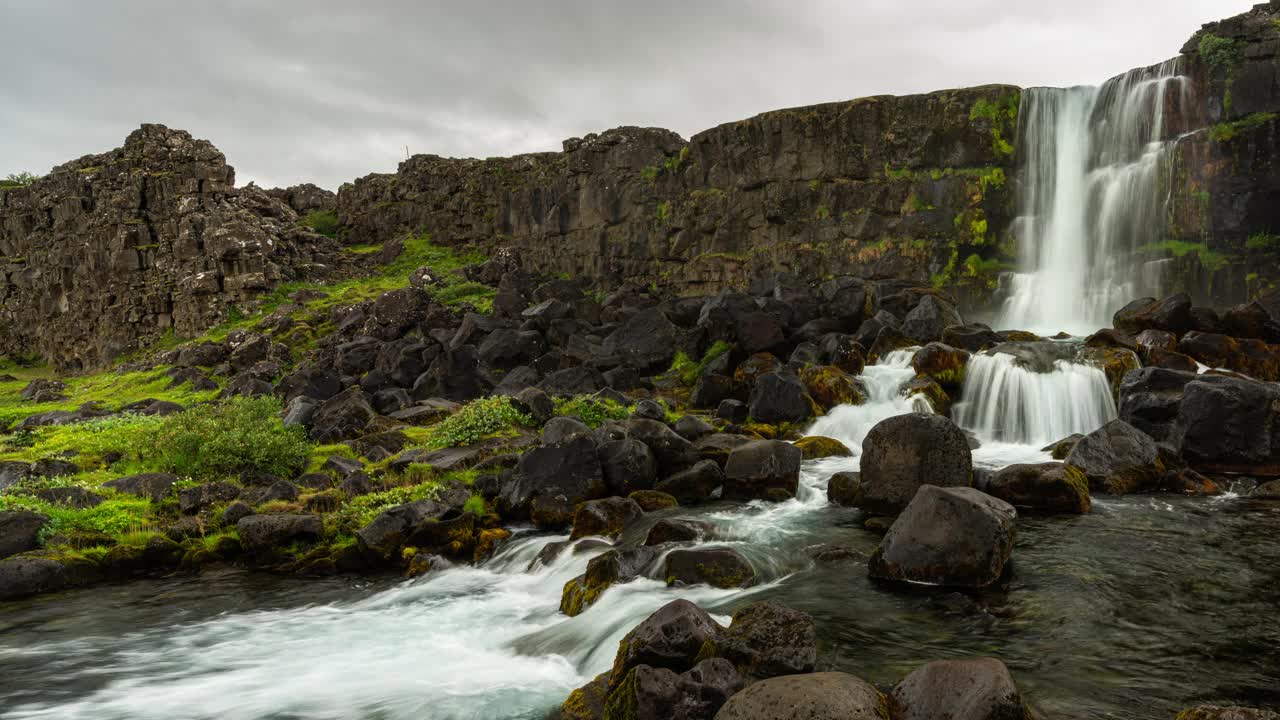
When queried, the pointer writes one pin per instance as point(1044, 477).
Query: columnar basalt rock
point(112, 251)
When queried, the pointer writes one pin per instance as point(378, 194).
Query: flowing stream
point(1142, 607)
point(1091, 164)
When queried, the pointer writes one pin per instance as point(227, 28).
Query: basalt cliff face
point(112, 251)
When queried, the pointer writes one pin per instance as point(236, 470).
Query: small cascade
point(883, 383)
point(1006, 400)
point(1090, 199)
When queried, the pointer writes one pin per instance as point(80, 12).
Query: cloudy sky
point(326, 91)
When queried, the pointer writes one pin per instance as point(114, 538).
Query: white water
point(883, 382)
point(1003, 402)
point(1089, 198)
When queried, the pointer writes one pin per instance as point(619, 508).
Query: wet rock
point(845, 488)
point(1218, 712)
point(384, 535)
point(765, 640)
point(945, 364)
point(717, 567)
point(24, 575)
point(1267, 491)
point(551, 480)
point(904, 452)
point(967, 689)
point(1149, 400)
point(764, 469)
point(263, 532)
point(779, 397)
point(604, 518)
point(20, 531)
point(603, 571)
point(669, 638)
point(814, 696)
point(653, 500)
point(1251, 357)
point(155, 486)
point(816, 447)
point(1060, 449)
point(973, 337)
point(1045, 487)
point(1117, 458)
point(830, 387)
point(695, 485)
point(585, 703)
point(758, 364)
point(628, 465)
point(955, 537)
point(649, 693)
point(1229, 424)
point(677, 530)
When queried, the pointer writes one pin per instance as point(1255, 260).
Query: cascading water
point(1090, 197)
point(883, 382)
point(1015, 409)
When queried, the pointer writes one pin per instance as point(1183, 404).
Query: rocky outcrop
point(881, 186)
point(111, 251)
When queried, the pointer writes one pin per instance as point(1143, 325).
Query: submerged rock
point(604, 571)
point(605, 518)
point(766, 639)
point(717, 567)
point(955, 537)
point(968, 689)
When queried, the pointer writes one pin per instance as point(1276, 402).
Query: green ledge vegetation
point(1002, 114)
point(324, 222)
point(1226, 132)
point(1210, 260)
point(1219, 52)
point(1263, 241)
point(687, 370)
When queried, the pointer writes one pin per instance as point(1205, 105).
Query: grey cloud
point(328, 91)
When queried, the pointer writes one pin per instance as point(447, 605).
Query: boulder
point(954, 537)
point(386, 533)
point(965, 689)
point(1118, 458)
point(669, 638)
point(779, 397)
point(24, 575)
point(604, 518)
point(603, 571)
point(1149, 399)
point(647, 340)
point(628, 465)
point(649, 693)
point(560, 429)
point(585, 703)
point(692, 427)
point(830, 387)
point(20, 531)
point(194, 499)
point(342, 417)
point(70, 496)
point(764, 469)
point(717, 567)
point(711, 389)
point(765, 640)
point(816, 447)
point(814, 696)
point(653, 500)
point(945, 364)
point(672, 452)
point(974, 337)
point(927, 321)
point(1219, 712)
point(845, 489)
point(155, 486)
point(694, 485)
point(904, 452)
point(263, 532)
point(1229, 424)
point(1044, 487)
point(551, 480)
point(672, 530)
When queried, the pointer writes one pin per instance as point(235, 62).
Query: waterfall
point(1005, 401)
point(883, 384)
point(1089, 197)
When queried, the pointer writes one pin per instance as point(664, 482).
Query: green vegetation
point(1226, 132)
point(114, 389)
point(1263, 241)
point(475, 421)
point(21, 179)
point(227, 438)
point(1003, 117)
point(1209, 259)
point(662, 214)
point(324, 222)
point(689, 371)
point(899, 174)
point(1219, 51)
point(592, 411)
point(822, 213)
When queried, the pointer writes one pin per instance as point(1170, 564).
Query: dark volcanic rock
point(779, 397)
point(904, 452)
point(764, 469)
point(1118, 458)
point(967, 689)
point(766, 639)
point(1046, 487)
point(717, 567)
point(605, 518)
point(814, 696)
point(669, 638)
point(19, 530)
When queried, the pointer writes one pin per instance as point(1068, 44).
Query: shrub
point(476, 420)
point(1219, 51)
point(218, 440)
point(324, 222)
point(592, 411)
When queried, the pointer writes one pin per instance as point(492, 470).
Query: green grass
point(224, 439)
point(1210, 260)
point(113, 389)
point(1226, 132)
point(594, 412)
point(324, 222)
point(476, 421)
point(688, 370)
point(115, 517)
point(1263, 241)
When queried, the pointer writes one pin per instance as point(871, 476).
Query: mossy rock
point(1020, 336)
point(487, 542)
point(829, 386)
point(816, 447)
point(587, 702)
point(651, 500)
point(1115, 363)
point(753, 367)
point(944, 364)
point(578, 595)
point(925, 386)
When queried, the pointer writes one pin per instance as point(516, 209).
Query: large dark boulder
point(506, 348)
point(384, 535)
point(343, 417)
point(1229, 424)
point(551, 480)
point(966, 689)
point(779, 397)
point(605, 518)
point(604, 571)
point(672, 452)
point(647, 340)
point(20, 531)
point(1118, 458)
point(927, 321)
point(766, 639)
point(694, 485)
point(669, 638)
point(628, 465)
point(670, 530)
point(580, 380)
point(904, 452)
point(649, 693)
point(845, 489)
point(764, 469)
point(813, 696)
point(25, 575)
point(717, 567)
point(155, 486)
point(954, 537)
point(1248, 356)
point(1044, 487)
point(264, 532)
point(973, 337)
point(1149, 399)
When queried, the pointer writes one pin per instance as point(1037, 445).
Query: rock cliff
point(112, 251)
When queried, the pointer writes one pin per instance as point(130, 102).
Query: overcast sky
point(325, 92)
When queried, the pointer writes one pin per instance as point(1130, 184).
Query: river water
point(1134, 611)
